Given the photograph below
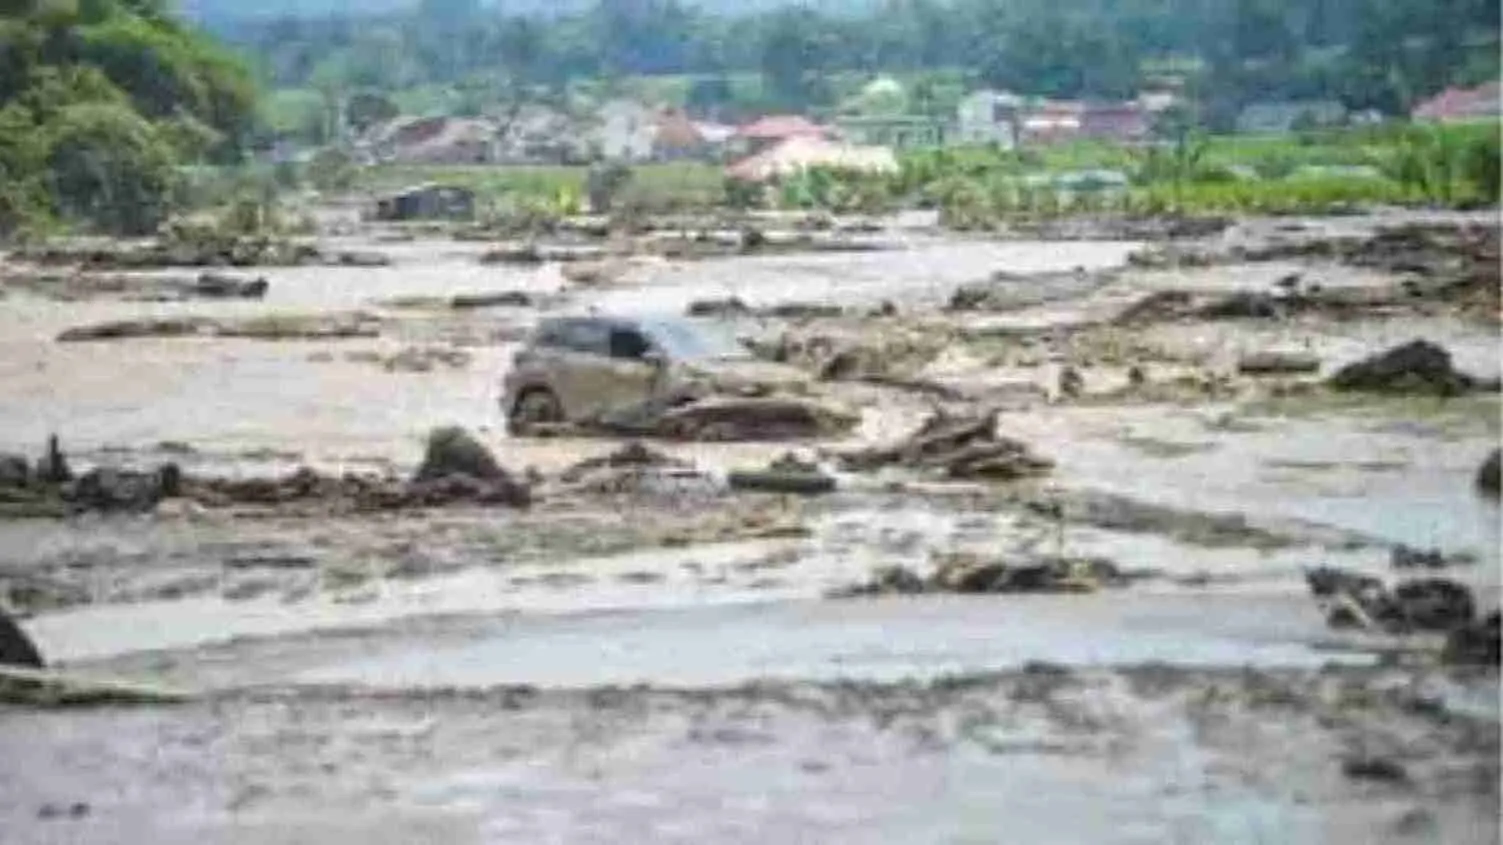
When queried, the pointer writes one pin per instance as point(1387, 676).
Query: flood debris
point(456, 470)
point(969, 574)
point(424, 359)
point(960, 446)
point(35, 687)
point(1278, 362)
point(636, 469)
point(198, 252)
point(531, 253)
point(491, 299)
point(1408, 557)
point(16, 648)
point(786, 474)
point(1418, 367)
point(1490, 474)
point(221, 286)
point(357, 324)
point(755, 418)
point(1353, 600)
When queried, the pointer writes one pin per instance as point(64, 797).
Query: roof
point(776, 127)
point(800, 153)
point(677, 132)
point(1461, 103)
point(714, 133)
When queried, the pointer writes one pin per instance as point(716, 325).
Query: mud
point(1079, 496)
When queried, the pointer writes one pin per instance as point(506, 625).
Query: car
point(577, 369)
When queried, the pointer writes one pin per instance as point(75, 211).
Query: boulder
point(17, 649)
point(453, 451)
point(1488, 475)
point(1417, 367)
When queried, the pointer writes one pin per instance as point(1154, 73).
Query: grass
point(678, 185)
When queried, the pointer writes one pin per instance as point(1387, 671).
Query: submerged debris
point(962, 446)
point(1351, 600)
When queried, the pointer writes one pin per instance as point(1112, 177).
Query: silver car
point(584, 368)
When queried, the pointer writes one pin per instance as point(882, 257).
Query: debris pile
point(787, 474)
point(961, 446)
point(1437, 605)
point(973, 575)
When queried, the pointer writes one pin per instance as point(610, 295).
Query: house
point(1126, 122)
point(427, 202)
point(431, 140)
point(802, 152)
point(626, 131)
point(1052, 122)
point(767, 132)
point(678, 138)
point(1461, 105)
point(898, 131)
point(1283, 117)
point(989, 117)
point(537, 134)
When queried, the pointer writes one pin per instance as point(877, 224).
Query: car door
point(582, 374)
point(632, 374)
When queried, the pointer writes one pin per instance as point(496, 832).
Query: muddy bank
point(1350, 754)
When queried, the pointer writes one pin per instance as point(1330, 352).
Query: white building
point(626, 131)
point(989, 117)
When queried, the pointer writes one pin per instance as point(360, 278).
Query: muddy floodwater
point(665, 656)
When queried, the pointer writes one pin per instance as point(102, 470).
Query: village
point(867, 138)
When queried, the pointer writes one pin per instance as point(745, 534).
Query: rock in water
point(16, 649)
point(1488, 477)
point(1417, 367)
point(453, 451)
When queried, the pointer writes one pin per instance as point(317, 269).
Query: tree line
point(101, 103)
point(1369, 54)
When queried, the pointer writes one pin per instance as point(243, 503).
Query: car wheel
point(533, 408)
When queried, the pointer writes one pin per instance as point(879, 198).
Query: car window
point(588, 336)
point(628, 344)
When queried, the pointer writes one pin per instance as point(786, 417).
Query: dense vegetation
point(1380, 54)
point(101, 103)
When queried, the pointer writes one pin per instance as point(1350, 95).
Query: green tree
point(110, 166)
